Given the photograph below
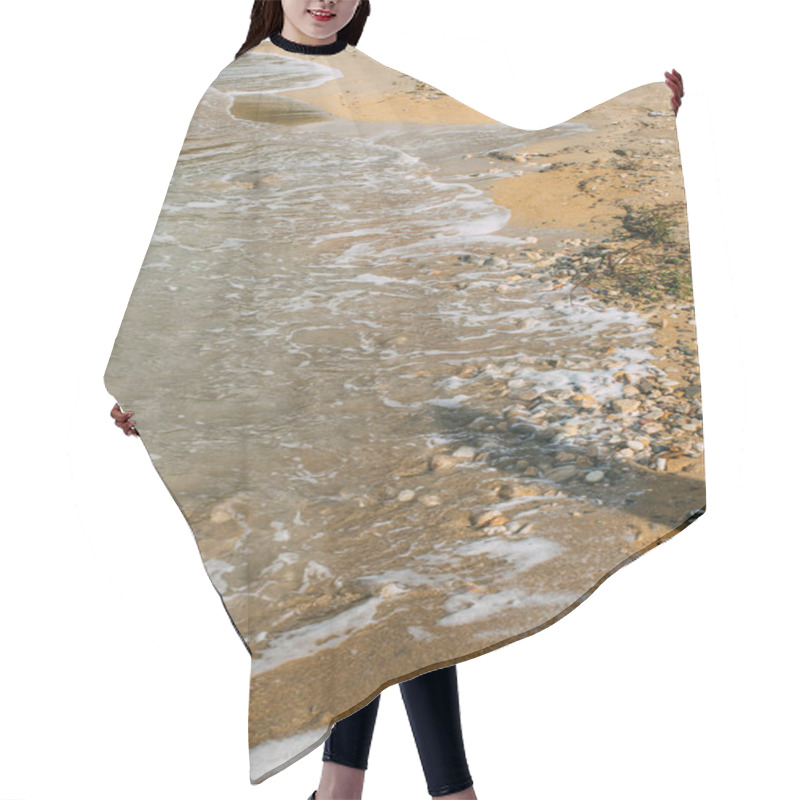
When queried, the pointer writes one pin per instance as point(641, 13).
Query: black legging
point(431, 701)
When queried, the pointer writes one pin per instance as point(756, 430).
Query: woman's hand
point(675, 82)
point(122, 419)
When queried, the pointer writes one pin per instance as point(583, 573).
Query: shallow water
point(304, 317)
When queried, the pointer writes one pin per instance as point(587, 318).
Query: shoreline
point(630, 155)
point(650, 462)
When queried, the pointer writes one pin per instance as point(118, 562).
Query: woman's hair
point(266, 18)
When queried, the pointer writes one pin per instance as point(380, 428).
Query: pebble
point(652, 427)
point(465, 452)
point(585, 401)
point(491, 517)
point(561, 474)
point(626, 406)
point(441, 461)
point(220, 515)
point(509, 490)
point(406, 495)
point(645, 385)
point(564, 456)
point(594, 476)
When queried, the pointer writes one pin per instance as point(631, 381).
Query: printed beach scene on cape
point(419, 381)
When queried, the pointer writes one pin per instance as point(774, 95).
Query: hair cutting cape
point(419, 381)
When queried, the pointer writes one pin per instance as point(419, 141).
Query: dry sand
point(587, 179)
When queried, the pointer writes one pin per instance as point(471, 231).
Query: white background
point(121, 674)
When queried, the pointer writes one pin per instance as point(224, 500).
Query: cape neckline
point(311, 49)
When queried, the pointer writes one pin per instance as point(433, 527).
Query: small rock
point(560, 474)
point(509, 490)
point(585, 401)
point(220, 515)
point(626, 406)
point(442, 461)
point(464, 452)
point(564, 456)
point(491, 517)
point(645, 386)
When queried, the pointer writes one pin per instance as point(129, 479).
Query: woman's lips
point(324, 16)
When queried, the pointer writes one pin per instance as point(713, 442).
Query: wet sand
point(584, 183)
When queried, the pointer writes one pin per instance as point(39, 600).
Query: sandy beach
point(584, 183)
point(419, 381)
point(577, 183)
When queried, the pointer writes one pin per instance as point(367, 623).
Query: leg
point(431, 701)
point(346, 753)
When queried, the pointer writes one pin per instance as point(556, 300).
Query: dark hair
point(266, 18)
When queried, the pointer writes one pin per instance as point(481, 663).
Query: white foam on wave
point(274, 755)
point(468, 607)
point(216, 568)
point(316, 636)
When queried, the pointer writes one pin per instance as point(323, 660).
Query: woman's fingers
point(130, 429)
point(675, 82)
point(118, 413)
point(123, 419)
